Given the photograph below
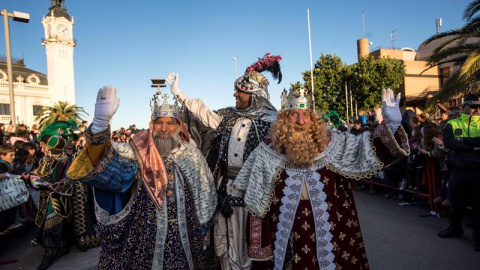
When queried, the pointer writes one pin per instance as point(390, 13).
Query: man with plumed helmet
point(234, 133)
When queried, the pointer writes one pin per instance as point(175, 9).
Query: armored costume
point(234, 134)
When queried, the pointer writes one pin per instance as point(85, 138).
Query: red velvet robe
point(348, 247)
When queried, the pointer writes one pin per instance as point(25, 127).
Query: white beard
point(166, 145)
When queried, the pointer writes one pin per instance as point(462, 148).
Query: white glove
point(174, 82)
point(105, 108)
point(391, 110)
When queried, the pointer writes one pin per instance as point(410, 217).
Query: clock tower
point(59, 44)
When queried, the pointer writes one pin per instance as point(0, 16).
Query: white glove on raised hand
point(391, 110)
point(174, 82)
point(105, 108)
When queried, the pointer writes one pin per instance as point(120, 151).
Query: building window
point(4, 109)
point(36, 109)
point(33, 79)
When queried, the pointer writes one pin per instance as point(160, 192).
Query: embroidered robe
point(321, 232)
point(134, 233)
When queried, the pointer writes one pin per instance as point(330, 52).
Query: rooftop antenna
point(438, 22)
point(393, 36)
point(363, 22)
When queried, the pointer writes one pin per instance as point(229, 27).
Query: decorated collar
point(383, 132)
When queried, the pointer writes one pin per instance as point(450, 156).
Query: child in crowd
point(431, 173)
point(415, 160)
point(362, 117)
point(25, 162)
point(8, 217)
point(357, 127)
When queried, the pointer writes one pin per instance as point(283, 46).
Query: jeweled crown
point(298, 98)
point(161, 108)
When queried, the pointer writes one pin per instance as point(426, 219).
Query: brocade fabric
point(137, 233)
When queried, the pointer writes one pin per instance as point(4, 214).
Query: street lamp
point(18, 17)
point(158, 83)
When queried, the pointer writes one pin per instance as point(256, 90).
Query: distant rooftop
point(15, 60)
point(19, 69)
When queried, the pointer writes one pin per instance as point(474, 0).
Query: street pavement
point(396, 237)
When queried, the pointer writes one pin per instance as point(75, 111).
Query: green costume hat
point(56, 135)
point(334, 118)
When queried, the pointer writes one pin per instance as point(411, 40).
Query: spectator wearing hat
point(462, 136)
point(57, 217)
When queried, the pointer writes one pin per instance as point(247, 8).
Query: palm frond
point(60, 111)
point(471, 9)
point(471, 65)
point(454, 86)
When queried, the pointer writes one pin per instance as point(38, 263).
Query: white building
point(32, 90)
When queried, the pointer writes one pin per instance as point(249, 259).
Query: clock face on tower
point(62, 30)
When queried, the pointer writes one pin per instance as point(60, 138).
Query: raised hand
point(105, 107)
point(174, 81)
point(391, 109)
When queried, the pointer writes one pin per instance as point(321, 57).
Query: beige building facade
point(420, 83)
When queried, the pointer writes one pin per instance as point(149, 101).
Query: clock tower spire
point(59, 44)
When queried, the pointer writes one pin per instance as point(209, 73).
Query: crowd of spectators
point(124, 135)
point(426, 170)
point(22, 145)
point(20, 153)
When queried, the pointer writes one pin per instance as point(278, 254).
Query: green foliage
point(366, 78)
point(370, 76)
point(328, 81)
point(60, 111)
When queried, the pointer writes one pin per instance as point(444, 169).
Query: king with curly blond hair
point(296, 187)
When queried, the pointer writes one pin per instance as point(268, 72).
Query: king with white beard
point(152, 195)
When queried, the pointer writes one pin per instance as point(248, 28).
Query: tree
point(370, 76)
point(461, 47)
point(366, 78)
point(60, 111)
point(328, 81)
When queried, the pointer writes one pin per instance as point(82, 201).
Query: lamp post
point(19, 17)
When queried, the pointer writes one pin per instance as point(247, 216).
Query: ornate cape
point(131, 223)
point(348, 155)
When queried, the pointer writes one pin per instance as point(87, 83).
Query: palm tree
point(462, 48)
point(60, 111)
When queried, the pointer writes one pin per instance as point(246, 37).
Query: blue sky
point(126, 43)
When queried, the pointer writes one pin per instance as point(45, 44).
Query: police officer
point(462, 136)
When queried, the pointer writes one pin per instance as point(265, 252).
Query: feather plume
point(269, 63)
